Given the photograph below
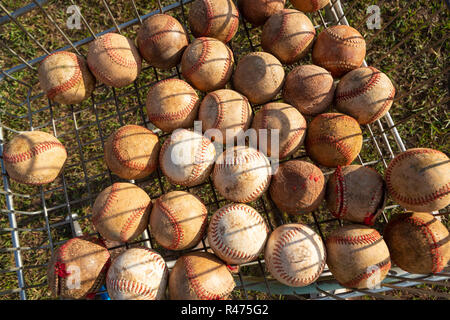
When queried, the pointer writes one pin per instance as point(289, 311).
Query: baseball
point(77, 269)
point(418, 242)
point(161, 40)
point(419, 180)
point(131, 152)
point(137, 274)
point(178, 220)
point(356, 193)
point(357, 256)
point(295, 255)
point(229, 230)
point(200, 276)
point(187, 158)
point(366, 94)
point(259, 76)
point(339, 49)
point(309, 5)
point(214, 18)
point(310, 89)
point(297, 187)
point(258, 11)
point(207, 64)
point(65, 78)
point(121, 211)
point(34, 158)
point(242, 174)
point(114, 60)
point(288, 35)
point(228, 112)
point(290, 123)
point(333, 139)
point(172, 104)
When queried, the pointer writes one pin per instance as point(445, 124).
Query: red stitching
point(382, 266)
point(368, 238)
point(171, 215)
point(199, 164)
point(114, 55)
point(234, 26)
point(281, 32)
point(301, 46)
point(244, 112)
point(100, 75)
point(111, 197)
point(383, 108)
point(206, 50)
point(209, 17)
point(34, 151)
point(135, 215)
point(224, 77)
point(291, 141)
point(340, 189)
point(170, 23)
point(340, 146)
point(340, 65)
point(315, 5)
point(370, 216)
point(374, 80)
point(348, 41)
point(220, 110)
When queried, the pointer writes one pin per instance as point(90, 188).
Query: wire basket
point(35, 220)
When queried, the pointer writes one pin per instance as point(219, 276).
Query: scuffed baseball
point(297, 187)
point(34, 158)
point(200, 276)
point(137, 274)
point(229, 230)
point(419, 179)
point(172, 104)
point(121, 212)
point(187, 158)
point(131, 152)
point(178, 220)
point(258, 11)
point(418, 242)
point(65, 78)
point(288, 35)
point(295, 255)
point(309, 5)
point(114, 60)
point(357, 256)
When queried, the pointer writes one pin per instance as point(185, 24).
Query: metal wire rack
point(35, 220)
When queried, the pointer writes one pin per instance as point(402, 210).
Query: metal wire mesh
point(35, 220)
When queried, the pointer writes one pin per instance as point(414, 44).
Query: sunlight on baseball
point(258, 11)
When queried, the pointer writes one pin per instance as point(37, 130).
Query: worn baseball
point(258, 11)
point(259, 76)
point(214, 18)
point(121, 211)
point(297, 187)
point(289, 122)
point(34, 158)
point(242, 174)
point(178, 220)
point(339, 49)
point(309, 5)
point(418, 242)
point(225, 115)
point(172, 104)
point(77, 269)
point(131, 152)
point(161, 40)
point(207, 64)
point(333, 139)
point(288, 35)
point(357, 256)
point(356, 193)
point(419, 179)
point(366, 94)
point(65, 78)
point(187, 158)
point(137, 274)
point(114, 60)
point(295, 255)
point(310, 89)
point(200, 276)
point(229, 230)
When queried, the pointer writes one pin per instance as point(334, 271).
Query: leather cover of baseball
point(419, 179)
point(310, 89)
point(200, 276)
point(131, 152)
point(121, 212)
point(258, 11)
point(178, 220)
point(356, 193)
point(34, 158)
point(65, 78)
point(137, 274)
point(297, 187)
point(357, 256)
point(290, 123)
point(418, 242)
point(339, 49)
point(288, 35)
point(309, 5)
point(333, 139)
point(295, 255)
